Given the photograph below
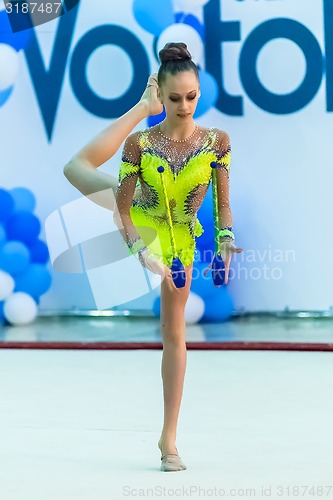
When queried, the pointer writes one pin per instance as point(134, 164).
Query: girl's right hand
point(154, 265)
point(168, 279)
point(150, 98)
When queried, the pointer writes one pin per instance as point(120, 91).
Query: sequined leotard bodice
point(187, 174)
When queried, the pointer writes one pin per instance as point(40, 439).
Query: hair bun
point(174, 51)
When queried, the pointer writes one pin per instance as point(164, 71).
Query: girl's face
point(179, 94)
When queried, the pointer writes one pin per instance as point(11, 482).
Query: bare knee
point(173, 337)
point(173, 327)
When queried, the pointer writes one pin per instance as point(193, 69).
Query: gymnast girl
point(143, 202)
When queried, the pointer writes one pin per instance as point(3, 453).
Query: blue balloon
point(153, 17)
point(35, 281)
point(18, 40)
point(5, 94)
point(6, 205)
point(191, 20)
point(156, 306)
point(3, 237)
point(200, 284)
point(219, 305)
point(24, 199)
point(155, 119)
point(2, 314)
point(39, 252)
point(23, 226)
point(209, 93)
point(14, 257)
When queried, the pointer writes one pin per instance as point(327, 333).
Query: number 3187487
point(33, 7)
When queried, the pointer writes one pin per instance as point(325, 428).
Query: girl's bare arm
point(81, 170)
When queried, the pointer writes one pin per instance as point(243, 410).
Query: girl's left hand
point(150, 97)
point(227, 248)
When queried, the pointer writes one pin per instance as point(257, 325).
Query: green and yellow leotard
point(187, 174)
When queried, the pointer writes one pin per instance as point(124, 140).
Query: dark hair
point(175, 58)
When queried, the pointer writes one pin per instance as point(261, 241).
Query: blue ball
point(160, 169)
point(219, 305)
point(39, 252)
point(14, 257)
point(23, 226)
point(2, 314)
point(155, 119)
point(18, 40)
point(3, 320)
point(6, 205)
point(157, 306)
point(24, 199)
point(200, 284)
point(5, 94)
point(35, 281)
point(3, 236)
point(153, 17)
point(209, 93)
point(191, 20)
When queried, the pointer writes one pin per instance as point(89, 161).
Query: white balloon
point(7, 285)
point(180, 32)
point(20, 309)
point(194, 309)
point(188, 5)
point(9, 66)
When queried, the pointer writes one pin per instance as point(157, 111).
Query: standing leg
point(173, 368)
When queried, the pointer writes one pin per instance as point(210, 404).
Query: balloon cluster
point(206, 303)
point(173, 21)
point(10, 44)
point(23, 258)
